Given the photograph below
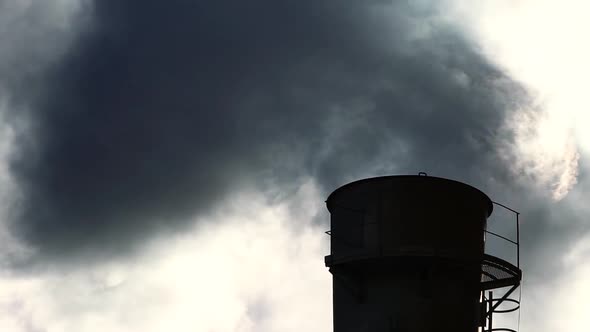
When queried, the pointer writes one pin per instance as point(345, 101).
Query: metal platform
point(497, 273)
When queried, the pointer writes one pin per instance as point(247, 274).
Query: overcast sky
point(164, 166)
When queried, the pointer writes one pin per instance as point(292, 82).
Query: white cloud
point(562, 305)
point(251, 267)
point(545, 149)
point(543, 44)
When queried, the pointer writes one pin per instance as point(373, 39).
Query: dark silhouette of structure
point(408, 254)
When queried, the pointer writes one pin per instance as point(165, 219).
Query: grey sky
point(131, 119)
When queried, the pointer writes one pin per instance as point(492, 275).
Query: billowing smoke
point(160, 109)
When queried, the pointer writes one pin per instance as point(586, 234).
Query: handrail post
point(517, 241)
point(490, 309)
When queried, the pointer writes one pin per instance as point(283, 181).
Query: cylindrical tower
point(407, 255)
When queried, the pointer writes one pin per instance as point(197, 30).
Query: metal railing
point(492, 304)
point(514, 242)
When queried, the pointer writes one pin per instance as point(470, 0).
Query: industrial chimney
point(408, 254)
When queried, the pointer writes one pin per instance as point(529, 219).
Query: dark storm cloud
point(162, 108)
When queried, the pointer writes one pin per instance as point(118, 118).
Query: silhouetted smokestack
point(407, 254)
